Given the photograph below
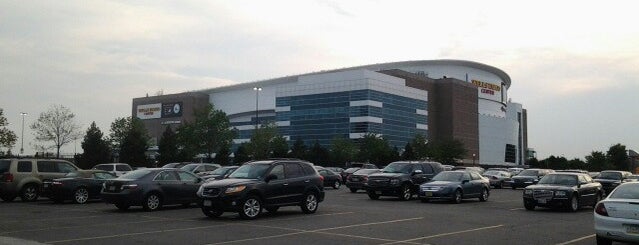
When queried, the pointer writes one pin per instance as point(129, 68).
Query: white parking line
point(576, 240)
point(52, 219)
point(446, 234)
point(77, 226)
point(514, 209)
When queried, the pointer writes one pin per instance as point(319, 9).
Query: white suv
point(115, 168)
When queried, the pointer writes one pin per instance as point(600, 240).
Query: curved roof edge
point(379, 66)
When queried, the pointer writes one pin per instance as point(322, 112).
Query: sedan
point(152, 188)
point(358, 179)
point(79, 186)
point(331, 178)
point(563, 190)
point(617, 216)
point(497, 178)
point(455, 186)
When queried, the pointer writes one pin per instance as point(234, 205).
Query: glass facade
point(326, 116)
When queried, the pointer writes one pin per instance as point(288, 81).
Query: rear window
point(122, 168)
point(136, 174)
point(4, 166)
point(25, 167)
point(626, 191)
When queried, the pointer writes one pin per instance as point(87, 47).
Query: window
point(308, 169)
point(582, 180)
point(209, 168)
point(46, 167)
point(187, 177)
point(511, 153)
point(103, 176)
point(278, 171)
point(428, 169)
point(122, 168)
point(293, 170)
point(25, 167)
point(104, 167)
point(166, 176)
point(65, 167)
point(475, 176)
point(466, 176)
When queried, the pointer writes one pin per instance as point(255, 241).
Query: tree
point(222, 157)
point(209, 131)
point(130, 137)
point(96, 148)
point(298, 150)
point(168, 147)
point(241, 156)
point(448, 151)
point(409, 153)
point(56, 125)
point(420, 147)
point(318, 154)
point(342, 151)
point(260, 146)
point(618, 157)
point(279, 147)
point(374, 149)
point(7, 137)
point(597, 161)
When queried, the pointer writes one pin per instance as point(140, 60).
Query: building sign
point(487, 86)
point(172, 109)
point(171, 122)
point(150, 111)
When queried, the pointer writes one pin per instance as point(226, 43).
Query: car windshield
point(627, 191)
point(559, 179)
point(528, 172)
point(448, 176)
point(220, 171)
point(609, 175)
point(190, 167)
point(72, 174)
point(492, 172)
point(398, 167)
point(250, 171)
point(135, 174)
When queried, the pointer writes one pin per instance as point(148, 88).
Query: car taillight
point(8, 177)
point(600, 209)
point(322, 178)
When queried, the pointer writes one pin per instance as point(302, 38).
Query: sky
point(574, 67)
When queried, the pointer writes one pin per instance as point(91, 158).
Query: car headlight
point(528, 192)
point(235, 189)
point(200, 191)
point(394, 181)
point(560, 193)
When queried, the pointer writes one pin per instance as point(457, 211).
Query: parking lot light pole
point(474, 155)
point(257, 96)
point(22, 136)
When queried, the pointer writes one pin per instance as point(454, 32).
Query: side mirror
point(270, 177)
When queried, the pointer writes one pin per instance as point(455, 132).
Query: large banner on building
point(491, 91)
point(150, 111)
point(172, 109)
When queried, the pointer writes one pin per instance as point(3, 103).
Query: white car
point(115, 168)
point(617, 216)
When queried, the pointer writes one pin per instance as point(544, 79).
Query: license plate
point(355, 179)
point(428, 194)
point(45, 185)
point(632, 229)
point(207, 203)
point(542, 201)
point(111, 188)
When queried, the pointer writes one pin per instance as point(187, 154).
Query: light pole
point(257, 96)
point(474, 155)
point(22, 136)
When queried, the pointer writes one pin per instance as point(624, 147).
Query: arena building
point(440, 99)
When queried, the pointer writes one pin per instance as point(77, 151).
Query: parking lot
point(343, 218)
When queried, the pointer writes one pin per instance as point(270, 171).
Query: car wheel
point(81, 195)
point(211, 212)
point(484, 195)
point(122, 206)
point(251, 208)
point(310, 203)
point(574, 203)
point(336, 184)
point(29, 193)
point(405, 193)
point(8, 198)
point(272, 209)
point(152, 202)
point(529, 205)
point(372, 195)
point(353, 190)
point(457, 197)
point(603, 241)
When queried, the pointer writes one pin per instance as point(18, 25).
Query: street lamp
point(257, 96)
point(22, 136)
point(474, 155)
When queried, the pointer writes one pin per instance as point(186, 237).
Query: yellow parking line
point(576, 240)
point(447, 234)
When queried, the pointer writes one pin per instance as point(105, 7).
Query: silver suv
point(23, 177)
point(115, 168)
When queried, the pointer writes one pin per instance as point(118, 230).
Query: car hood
point(549, 187)
point(231, 182)
point(387, 175)
point(441, 183)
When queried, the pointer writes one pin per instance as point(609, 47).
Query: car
point(175, 164)
point(528, 177)
point(563, 190)
point(497, 178)
point(448, 167)
point(331, 179)
point(572, 171)
point(593, 174)
point(347, 173)
point(337, 170)
point(615, 217)
point(363, 165)
point(479, 170)
point(401, 179)
point(152, 188)
point(497, 169)
point(634, 177)
point(115, 168)
point(515, 171)
point(455, 186)
point(267, 184)
point(23, 177)
point(610, 179)
point(200, 169)
point(220, 173)
point(79, 186)
point(357, 180)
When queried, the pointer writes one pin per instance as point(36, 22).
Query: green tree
point(7, 137)
point(168, 147)
point(374, 149)
point(279, 147)
point(318, 154)
point(342, 151)
point(260, 146)
point(131, 139)
point(222, 157)
point(618, 157)
point(209, 131)
point(241, 155)
point(420, 147)
point(409, 153)
point(56, 125)
point(298, 150)
point(448, 151)
point(597, 161)
point(96, 148)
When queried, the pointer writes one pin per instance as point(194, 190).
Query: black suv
point(401, 179)
point(268, 184)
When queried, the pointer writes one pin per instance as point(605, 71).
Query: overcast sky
point(574, 66)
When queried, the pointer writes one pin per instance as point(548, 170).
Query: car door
point(589, 187)
point(296, 182)
point(168, 182)
point(477, 183)
point(275, 193)
point(467, 184)
point(189, 186)
point(96, 181)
